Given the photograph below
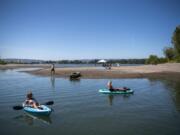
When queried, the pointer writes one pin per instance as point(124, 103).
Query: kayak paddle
point(49, 103)
point(19, 107)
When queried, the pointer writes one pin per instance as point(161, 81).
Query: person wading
point(52, 69)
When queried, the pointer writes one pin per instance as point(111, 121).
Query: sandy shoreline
point(15, 66)
point(150, 71)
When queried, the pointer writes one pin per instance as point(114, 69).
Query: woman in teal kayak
point(31, 101)
point(111, 88)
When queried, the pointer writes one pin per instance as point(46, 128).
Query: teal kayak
point(43, 110)
point(106, 91)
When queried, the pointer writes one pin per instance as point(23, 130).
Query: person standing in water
point(111, 88)
point(52, 69)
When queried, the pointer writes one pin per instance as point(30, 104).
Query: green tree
point(169, 53)
point(176, 40)
point(2, 62)
point(153, 59)
point(162, 60)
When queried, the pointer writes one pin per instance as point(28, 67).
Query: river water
point(153, 109)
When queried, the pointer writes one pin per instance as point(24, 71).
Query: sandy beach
point(14, 66)
point(153, 71)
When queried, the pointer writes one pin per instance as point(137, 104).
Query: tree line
point(2, 62)
point(95, 61)
point(171, 53)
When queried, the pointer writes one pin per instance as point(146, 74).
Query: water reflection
point(175, 91)
point(111, 97)
point(77, 80)
point(173, 85)
point(52, 79)
point(31, 119)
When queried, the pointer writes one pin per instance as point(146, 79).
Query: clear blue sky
point(85, 29)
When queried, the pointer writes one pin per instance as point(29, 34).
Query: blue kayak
point(106, 91)
point(43, 110)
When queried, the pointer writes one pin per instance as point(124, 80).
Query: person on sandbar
point(52, 69)
point(111, 88)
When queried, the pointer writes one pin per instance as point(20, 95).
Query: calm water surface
point(154, 108)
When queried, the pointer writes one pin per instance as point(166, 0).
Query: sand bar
point(160, 70)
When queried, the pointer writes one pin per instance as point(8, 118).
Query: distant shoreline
point(143, 71)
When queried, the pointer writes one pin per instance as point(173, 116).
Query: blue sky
point(86, 29)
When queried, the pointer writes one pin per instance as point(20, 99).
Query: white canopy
point(102, 61)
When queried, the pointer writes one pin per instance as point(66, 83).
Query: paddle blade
point(49, 103)
point(17, 107)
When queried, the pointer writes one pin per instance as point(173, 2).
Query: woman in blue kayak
point(111, 88)
point(31, 101)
